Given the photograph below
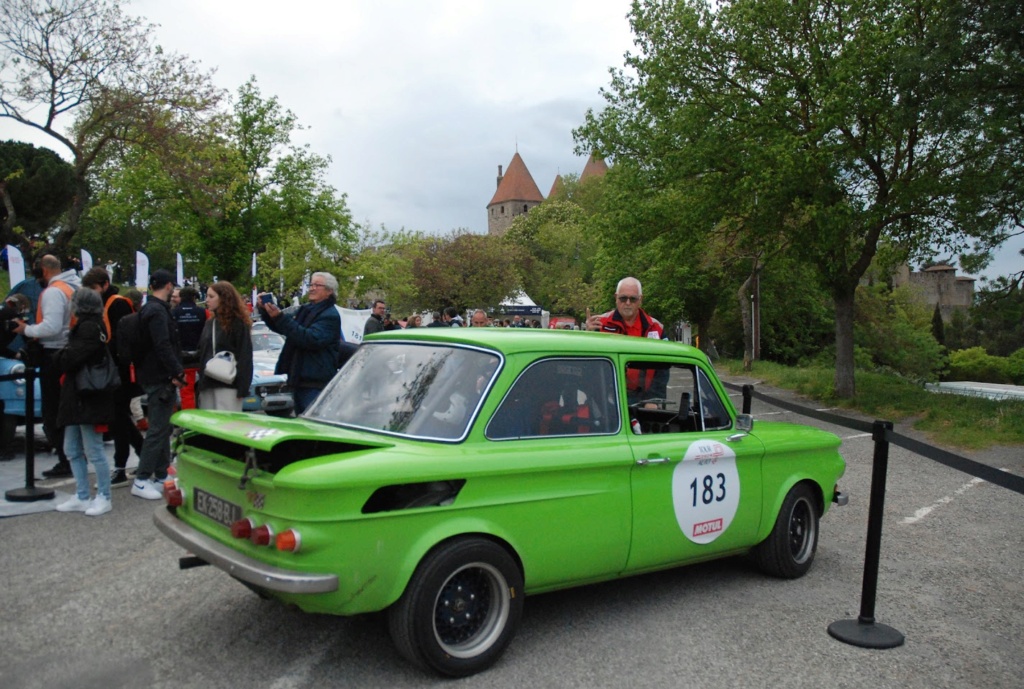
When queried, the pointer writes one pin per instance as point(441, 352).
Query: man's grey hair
point(329, 281)
point(86, 301)
point(639, 288)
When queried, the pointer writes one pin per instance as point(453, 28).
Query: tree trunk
point(748, 332)
point(63, 238)
point(8, 226)
point(844, 380)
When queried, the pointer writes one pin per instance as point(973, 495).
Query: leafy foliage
point(895, 329)
point(89, 60)
point(824, 128)
point(37, 188)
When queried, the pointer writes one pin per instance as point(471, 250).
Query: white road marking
point(773, 413)
point(944, 500)
point(858, 435)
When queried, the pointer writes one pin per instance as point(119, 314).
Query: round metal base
point(865, 634)
point(29, 494)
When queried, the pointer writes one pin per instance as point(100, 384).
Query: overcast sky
point(417, 102)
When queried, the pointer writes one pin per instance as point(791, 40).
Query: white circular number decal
point(706, 490)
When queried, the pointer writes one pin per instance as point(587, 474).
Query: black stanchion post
point(748, 393)
point(864, 631)
point(30, 493)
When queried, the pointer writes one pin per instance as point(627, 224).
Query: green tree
point(464, 270)
point(90, 61)
point(851, 124)
point(557, 259)
point(280, 190)
point(36, 189)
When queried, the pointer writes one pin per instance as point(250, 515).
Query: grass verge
point(951, 420)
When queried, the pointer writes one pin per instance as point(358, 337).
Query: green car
point(445, 473)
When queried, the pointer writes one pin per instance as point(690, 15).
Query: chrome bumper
point(240, 566)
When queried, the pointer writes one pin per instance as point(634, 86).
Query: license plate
point(212, 507)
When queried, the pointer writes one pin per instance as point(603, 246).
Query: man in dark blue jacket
point(312, 336)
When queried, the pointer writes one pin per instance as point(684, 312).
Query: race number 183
point(706, 490)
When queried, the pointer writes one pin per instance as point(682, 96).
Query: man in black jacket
point(161, 374)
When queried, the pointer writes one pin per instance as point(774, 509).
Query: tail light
point(174, 496)
point(262, 535)
point(288, 540)
point(242, 528)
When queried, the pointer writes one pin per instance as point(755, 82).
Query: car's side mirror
point(744, 422)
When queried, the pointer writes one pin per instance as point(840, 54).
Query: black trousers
point(49, 386)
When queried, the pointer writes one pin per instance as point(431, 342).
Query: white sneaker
point(100, 505)
point(73, 505)
point(144, 488)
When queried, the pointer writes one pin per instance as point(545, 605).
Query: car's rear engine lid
point(273, 443)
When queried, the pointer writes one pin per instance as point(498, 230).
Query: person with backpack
point(81, 411)
point(158, 369)
point(50, 331)
point(123, 429)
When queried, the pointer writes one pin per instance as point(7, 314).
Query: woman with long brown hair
point(228, 331)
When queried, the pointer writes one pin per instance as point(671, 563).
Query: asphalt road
point(101, 603)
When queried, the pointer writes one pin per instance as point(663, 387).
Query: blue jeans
point(156, 448)
point(81, 442)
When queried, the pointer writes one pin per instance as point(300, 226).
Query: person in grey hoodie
point(53, 323)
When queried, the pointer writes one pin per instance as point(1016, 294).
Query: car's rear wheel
point(789, 550)
point(461, 608)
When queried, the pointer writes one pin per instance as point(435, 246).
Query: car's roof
point(517, 340)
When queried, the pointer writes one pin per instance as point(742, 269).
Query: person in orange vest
point(126, 434)
point(53, 323)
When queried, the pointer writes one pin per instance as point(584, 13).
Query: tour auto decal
point(706, 490)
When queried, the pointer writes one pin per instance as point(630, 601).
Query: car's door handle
point(653, 460)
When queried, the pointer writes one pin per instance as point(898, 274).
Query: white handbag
point(221, 367)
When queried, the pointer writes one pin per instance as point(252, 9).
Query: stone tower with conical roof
point(517, 193)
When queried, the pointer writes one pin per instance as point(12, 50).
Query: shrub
point(975, 364)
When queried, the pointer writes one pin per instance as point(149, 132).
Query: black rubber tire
point(789, 550)
point(478, 580)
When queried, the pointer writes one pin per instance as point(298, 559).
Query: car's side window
point(559, 397)
point(672, 398)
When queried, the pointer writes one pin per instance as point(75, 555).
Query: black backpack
point(130, 341)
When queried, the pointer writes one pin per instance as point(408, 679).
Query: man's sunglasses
point(624, 299)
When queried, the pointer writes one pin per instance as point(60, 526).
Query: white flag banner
point(15, 264)
point(141, 271)
point(252, 303)
point(181, 271)
point(352, 323)
point(86, 261)
point(254, 264)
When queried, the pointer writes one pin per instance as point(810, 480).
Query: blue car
point(12, 402)
point(269, 392)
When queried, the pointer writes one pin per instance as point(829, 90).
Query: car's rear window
point(417, 390)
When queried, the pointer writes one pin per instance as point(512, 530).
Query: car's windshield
point(419, 390)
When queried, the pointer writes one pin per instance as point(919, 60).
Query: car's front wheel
point(789, 550)
point(461, 608)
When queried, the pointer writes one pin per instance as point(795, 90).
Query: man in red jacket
point(627, 318)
